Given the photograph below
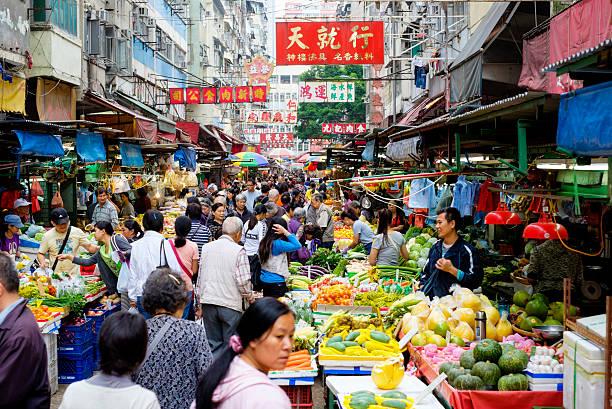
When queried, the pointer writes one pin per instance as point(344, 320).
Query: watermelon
point(521, 298)
point(537, 308)
point(468, 382)
point(487, 350)
point(467, 359)
point(513, 361)
point(513, 382)
point(487, 371)
point(446, 367)
point(530, 322)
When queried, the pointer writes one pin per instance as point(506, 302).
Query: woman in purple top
point(296, 226)
point(9, 235)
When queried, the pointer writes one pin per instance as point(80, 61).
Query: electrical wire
point(603, 212)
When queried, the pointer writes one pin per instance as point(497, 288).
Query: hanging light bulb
point(502, 216)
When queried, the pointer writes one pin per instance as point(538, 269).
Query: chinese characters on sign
point(225, 95)
point(326, 92)
point(268, 129)
point(265, 117)
point(325, 43)
point(259, 71)
point(343, 128)
point(276, 140)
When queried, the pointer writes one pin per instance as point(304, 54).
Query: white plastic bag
point(124, 278)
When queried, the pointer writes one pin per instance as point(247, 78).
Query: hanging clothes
point(422, 194)
point(463, 196)
point(487, 201)
point(445, 199)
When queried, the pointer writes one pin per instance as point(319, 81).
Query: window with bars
point(63, 14)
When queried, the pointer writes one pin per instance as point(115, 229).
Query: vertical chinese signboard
point(276, 140)
point(326, 43)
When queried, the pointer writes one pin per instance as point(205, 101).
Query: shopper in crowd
point(9, 235)
point(188, 255)
point(251, 194)
point(285, 200)
point(178, 352)
point(311, 191)
point(398, 220)
point(62, 237)
point(451, 259)
point(230, 200)
point(212, 190)
point(127, 209)
point(274, 196)
point(271, 210)
point(148, 253)
point(310, 243)
point(105, 210)
point(109, 265)
point(324, 220)
point(22, 209)
point(241, 208)
point(224, 281)
point(295, 225)
point(142, 202)
point(207, 215)
point(239, 376)
point(122, 342)
point(263, 198)
point(214, 225)
point(23, 355)
point(131, 230)
point(199, 233)
point(273, 250)
point(388, 244)
point(252, 234)
point(297, 197)
point(362, 233)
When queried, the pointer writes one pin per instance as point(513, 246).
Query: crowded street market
point(307, 205)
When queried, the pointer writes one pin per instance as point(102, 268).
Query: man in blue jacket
point(451, 260)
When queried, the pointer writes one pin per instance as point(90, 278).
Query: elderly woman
point(178, 352)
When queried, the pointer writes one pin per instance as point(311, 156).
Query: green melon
point(530, 322)
point(521, 298)
point(519, 320)
point(513, 361)
point(487, 350)
point(468, 382)
point(513, 382)
point(467, 359)
point(441, 328)
point(537, 308)
point(454, 339)
point(487, 371)
point(455, 372)
point(551, 321)
point(515, 309)
point(446, 367)
point(541, 297)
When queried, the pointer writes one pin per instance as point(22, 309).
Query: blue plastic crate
point(71, 366)
point(73, 351)
point(71, 378)
point(76, 334)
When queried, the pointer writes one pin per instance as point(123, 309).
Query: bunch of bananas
point(521, 203)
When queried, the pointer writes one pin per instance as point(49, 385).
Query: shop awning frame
point(165, 124)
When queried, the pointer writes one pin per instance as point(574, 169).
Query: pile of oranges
point(338, 294)
point(41, 313)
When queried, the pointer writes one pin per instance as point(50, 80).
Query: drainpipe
point(522, 125)
point(458, 151)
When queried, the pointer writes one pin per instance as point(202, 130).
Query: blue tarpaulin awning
point(89, 146)
point(39, 144)
point(585, 118)
point(186, 157)
point(131, 155)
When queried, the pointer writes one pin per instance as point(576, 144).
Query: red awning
point(191, 128)
point(166, 136)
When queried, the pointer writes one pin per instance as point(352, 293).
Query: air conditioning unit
point(110, 5)
point(92, 14)
point(103, 15)
point(151, 33)
point(150, 22)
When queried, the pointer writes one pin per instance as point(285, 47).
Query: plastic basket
point(76, 334)
point(299, 395)
point(71, 378)
point(73, 351)
point(88, 270)
point(51, 344)
point(78, 365)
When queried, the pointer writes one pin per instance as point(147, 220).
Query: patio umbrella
point(280, 153)
point(313, 162)
point(250, 159)
point(304, 158)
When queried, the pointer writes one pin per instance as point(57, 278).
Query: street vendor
point(22, 209)
point(55, 240)
point(451, 260)
point(549, 264)
point(361, 232)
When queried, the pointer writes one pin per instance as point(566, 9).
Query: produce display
point(325, 258)
point(389, 373)
point(360, 342)
point(367, 399)
point(529, 311)
point(299, 361)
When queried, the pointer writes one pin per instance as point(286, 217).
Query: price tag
point(429, 389)
point(397, 275)
point(407, 337)
point(41, 289)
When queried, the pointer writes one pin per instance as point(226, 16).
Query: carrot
point(298, 363)
point(303, 366)
point(299, 353)
point(299, 358)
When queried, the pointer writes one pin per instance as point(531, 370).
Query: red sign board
point(226, 95)
point(243, 94)
point(343, 128)
point(276, 140)
point(177, 95)
point(193, 95)
point(260, 93)
point(209, 95)
point(326, 43)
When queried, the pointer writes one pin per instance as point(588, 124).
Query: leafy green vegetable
point(325, 258)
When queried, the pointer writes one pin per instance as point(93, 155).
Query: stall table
point(345, 385)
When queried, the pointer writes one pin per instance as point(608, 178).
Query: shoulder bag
point(185, 269)
point(158, 337)
point(162, 253)
point(63, 246)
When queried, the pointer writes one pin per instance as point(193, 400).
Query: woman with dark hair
point(388, 244)
point(215, 224)
point(142, 202)
point(114, 251)
point(186, 252)
point(9, 235)
point(178, 350)
point(149, 253)
point(123, 346)
point(131, 230)
point(239, 376)
point(312, 241)
point(398, 219)
point(362, 233)
point(127, 209)
point(230, 200)
point(253, 233)
point(273, 252)
point(199, 233)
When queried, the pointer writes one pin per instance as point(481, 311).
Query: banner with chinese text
point(276, 140)
point(321, 91)
point(266, 117)
point(326, 43)
point(343, 128)
point(221, 95)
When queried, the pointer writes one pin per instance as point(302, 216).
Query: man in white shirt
point(251, 194)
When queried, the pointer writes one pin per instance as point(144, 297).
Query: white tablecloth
point(411, 386)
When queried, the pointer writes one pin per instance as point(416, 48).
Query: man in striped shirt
point(105, 210)
point(199, 233)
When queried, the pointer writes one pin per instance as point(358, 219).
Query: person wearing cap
point(52, 242)
point(105, 210)
point(9, 235)
point(22, 209)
